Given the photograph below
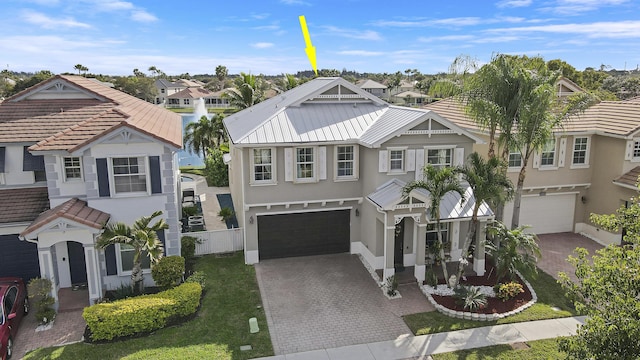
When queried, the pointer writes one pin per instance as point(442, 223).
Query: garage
point(303, 234)
point(18, 258)
point(545, 214)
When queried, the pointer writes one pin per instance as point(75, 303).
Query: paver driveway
point(557, 247)
point(329, 301)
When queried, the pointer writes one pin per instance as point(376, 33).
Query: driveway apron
point(557, 247)
point(330, 301)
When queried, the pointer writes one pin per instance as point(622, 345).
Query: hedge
point(168, 271)
point(141, 314)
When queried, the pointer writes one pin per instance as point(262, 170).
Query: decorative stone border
point(374, 275)
point(481, 317)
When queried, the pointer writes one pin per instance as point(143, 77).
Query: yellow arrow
point(310, 49)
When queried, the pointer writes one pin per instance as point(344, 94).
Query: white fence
point(218, 241)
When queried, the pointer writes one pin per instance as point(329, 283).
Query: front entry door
point(77, 265)
point(398, 251)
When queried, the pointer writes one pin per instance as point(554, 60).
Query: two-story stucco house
point(320, 169)
point(75, 155)
point(590, 166)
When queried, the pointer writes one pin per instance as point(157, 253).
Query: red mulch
point(494, 305)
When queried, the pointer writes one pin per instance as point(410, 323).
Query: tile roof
point(370, 84)
point(192, 93)
point(629, 178)
point(22, 204)
point(75, 210)
point(69, 124)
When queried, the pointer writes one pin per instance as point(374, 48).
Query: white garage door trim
point(551, 213)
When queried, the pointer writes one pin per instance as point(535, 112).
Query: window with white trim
point(439, 157)
point(432, 235)
point(548, 154)
point(72, 168)
point(127, 253)
point(396, 160)
point(580, 147)
point(636, 149)
point(345, 162)
point(129, 175)
point(305, 167)
point(263, 165)
point(515, 159)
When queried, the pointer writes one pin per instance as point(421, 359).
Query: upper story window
point(129, 175)
point(548, 155)
point(439, 157)
point(305, 168)
point(580, 151)
point(515, 159)
point(186, 101)
point(636, 149)
point(346, 162)
point(162, 90)
point(396, 160)
point(72, 168)
point(263, 165)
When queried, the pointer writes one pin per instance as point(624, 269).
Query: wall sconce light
point(584, 199)
point(251, 219)
point(357, 212)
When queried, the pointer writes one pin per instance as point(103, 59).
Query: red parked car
point(14, 305)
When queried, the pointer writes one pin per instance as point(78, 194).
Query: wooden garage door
point(545, 214)
point(18, 258)
point(303, 234)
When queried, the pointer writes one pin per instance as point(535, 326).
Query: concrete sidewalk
point(420, 347)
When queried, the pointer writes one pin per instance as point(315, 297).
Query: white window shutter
point(419, 163)
point(356, 161)
point(288, 164)
point(458, 157)
point(628, 154)
point(411, 160)
point(383, 161)
point(562, 150)
point(536, 160)
point(322, 163)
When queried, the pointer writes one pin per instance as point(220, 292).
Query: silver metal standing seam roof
point(393, 120)
point(389, 194)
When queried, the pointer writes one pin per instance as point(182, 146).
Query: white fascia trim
point(303, 211)
point(552, 194)
point(556, 187)
point(305, 203)
point(626, 186)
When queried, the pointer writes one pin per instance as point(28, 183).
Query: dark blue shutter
point(156, 178)
point(31, 162)
point(103, 177)
point(110, 257)
point(2, 151)
point(162, 239)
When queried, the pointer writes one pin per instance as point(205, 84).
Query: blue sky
point(114, 37)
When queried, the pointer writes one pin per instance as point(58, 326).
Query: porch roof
point(629, 178)
point(389, 194)
point(22, 204)
point(75, 210)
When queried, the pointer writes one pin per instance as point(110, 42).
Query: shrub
point(470, 297)
point(431, 278)
point(226, 213)
point(39, 291)
point(121, 292)
point(509, 290)
point(141, 314)
point(189, 211)
point(216, 170)
point(168, 272)
point(188, 247)
point(197, 277)
point(392, 285)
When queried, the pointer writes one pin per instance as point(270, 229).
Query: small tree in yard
point(518, 251)
point(608, 292)
point(143, 237)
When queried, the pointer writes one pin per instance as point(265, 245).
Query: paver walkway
point(210, 205)
point(329, 301)
point(556, 248)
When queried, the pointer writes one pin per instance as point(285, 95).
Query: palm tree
point(438, 182)
point(205, 134)
point(489, 184)
point(142, 237)
point(81, 68)
point(248, 91)
point(518, 251)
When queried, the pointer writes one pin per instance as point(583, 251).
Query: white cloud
point(143, 16)
point(260, 16)
point(360, 53)
point(353, 34)
point(114, 5)
point(295, 2)
point(261, 45)
point(514, 3)
point(45, 2)
point(574, 7)
point(607, 29)
point(47, 22)
point(446, 38)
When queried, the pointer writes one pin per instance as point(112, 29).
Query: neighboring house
point(410, 98)
point(320, 169)
point(166, 88)
point(90, 155)
point(590, 166)
point(186, 98)
point(374, 88)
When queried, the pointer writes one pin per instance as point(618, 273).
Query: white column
point(421, 239)
point(46, 271)
point(479, 254)
point(389, 247)
point(93, 272)
point(456, 252)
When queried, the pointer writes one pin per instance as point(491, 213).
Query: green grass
point(540, 349)
point(197, 170)
point(219, 329)
point(546, 287)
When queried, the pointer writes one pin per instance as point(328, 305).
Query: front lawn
point(549, 295)
point(219, 329)
point(540, 349)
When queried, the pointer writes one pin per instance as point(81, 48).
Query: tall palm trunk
point(443, 263)
point(137, 279)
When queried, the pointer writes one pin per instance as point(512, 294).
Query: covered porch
point(65, 236)
point(407, 230)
